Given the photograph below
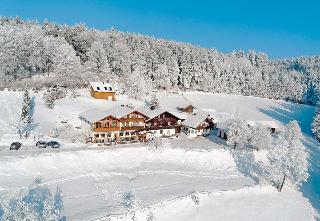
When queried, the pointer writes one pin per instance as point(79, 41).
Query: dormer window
point(98, 88)
point(106, 88)
point(110, 88)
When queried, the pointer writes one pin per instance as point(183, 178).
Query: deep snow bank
point(252, 203)
point(122, 158)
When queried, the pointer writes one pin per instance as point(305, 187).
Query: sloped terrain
point(94, 180)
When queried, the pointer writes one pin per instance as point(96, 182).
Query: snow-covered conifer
point(35, 203)
point(52, 94)
point(158, 144)
point(289, 157)
point(26, 107)
point(316, 122)
point(154, 102)
point(48, 99)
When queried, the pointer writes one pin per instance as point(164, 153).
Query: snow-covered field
point(95, 179)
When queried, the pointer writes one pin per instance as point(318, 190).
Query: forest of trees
point(46, 54)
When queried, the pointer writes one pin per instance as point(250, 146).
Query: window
point(96, 135)
point(161, 131)
point(106, 88)
point(103, 135)
point(133, 133)
point(121, 134)
point(123, 124)
point(98, 88)
point(109, 134)
point(98, 125)
point(127, 133)
point(110, 88)
point(114, 124)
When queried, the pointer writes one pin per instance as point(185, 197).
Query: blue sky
point(280, 28)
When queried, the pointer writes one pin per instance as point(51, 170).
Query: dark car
point(53, 144)
point(15, 146)
point(41, 144)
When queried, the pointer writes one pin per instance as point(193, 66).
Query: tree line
point(47, 54)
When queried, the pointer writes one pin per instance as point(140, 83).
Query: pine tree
point(316, 123)
point(26, 108)
point(289, 157)
point(154, 102)
point(35, 203)
point(49, 99)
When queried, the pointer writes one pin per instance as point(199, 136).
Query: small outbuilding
point(102, 90)
point(197, 125)
point(188, 109)
point(271, 125)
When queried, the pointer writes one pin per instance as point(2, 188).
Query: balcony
point(132, 119)
point(159, 127)
point(132, 128)
point(106, 129)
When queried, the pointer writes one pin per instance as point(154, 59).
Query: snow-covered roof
point(151, 113)
point(194, 120)
point(154, 113)
point(269, 124)
point(96, 114)
point(102, 87)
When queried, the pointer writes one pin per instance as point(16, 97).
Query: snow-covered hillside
point(94, 180)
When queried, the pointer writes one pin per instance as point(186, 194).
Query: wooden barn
point(188, 109)
point(102, 90)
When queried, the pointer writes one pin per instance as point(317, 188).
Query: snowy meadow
point(205, 176)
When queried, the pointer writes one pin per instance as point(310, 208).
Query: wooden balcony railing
point(106, 129)
point(109, 129)
point(159, 127)
point(132, 119)
point(132, 128)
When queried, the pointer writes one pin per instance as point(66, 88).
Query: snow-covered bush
point(129, 200)
point(289, 157)
point(195, 199)
point(53, 94)
point(68, 133)
point(1, 211)
point(158, 144)
point(36, 204)
point(238, 133)
point(134, 211)
point(316, 122)
point(259, 137)
point(54, 132)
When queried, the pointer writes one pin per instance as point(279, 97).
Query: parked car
point(15, 146)
point(53, 144)
point(41, 144)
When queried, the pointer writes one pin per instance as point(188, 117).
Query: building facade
point(125, 124)
point(102, 90)
point(197, 125)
